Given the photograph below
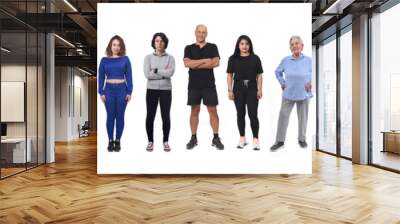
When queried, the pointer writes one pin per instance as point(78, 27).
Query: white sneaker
point(256, 146)
point(241, 145)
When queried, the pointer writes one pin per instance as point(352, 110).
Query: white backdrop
point(268, 25)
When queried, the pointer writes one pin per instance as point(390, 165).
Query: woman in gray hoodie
point(158, 68)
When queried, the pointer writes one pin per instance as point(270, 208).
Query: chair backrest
point(86, 125)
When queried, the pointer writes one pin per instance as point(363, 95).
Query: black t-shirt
point(244, 67)
point(201, 78)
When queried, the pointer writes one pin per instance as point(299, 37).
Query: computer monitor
point(3, 129)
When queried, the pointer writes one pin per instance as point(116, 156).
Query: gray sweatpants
point(284, 114)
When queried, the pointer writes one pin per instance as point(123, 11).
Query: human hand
point(259, 94)
point(231, 95)
point(308, 87)
point(128, 98)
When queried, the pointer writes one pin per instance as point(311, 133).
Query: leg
point(302, 115)
point(194, 100)
point(151, 105)
point(252, 108)
point(214, 120)
point(284, 114)
point(111, 114)
point(120, 114)
point(194, 118)
point(210, 99)
point(240, 104)
point(165, 105)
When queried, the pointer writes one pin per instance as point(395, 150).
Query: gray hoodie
point(165, 65)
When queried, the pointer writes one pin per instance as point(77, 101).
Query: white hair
point(295, 37)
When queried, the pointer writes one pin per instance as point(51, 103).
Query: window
point(327, 96)
point(385, 89)
point(346, 93)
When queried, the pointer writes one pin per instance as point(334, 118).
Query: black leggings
point(152, 99)
point(246, 95)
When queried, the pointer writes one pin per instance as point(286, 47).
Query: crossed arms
point(207, 63)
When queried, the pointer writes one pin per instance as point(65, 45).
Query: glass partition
point(327, 96)
point(22, 77)
point(14, 153)
point(346, 94)
point(385, 89)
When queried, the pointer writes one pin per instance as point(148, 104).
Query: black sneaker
point(192, 143)
point(110, 146)
point(277, 145)
point(216, 142)
point(303, 144)
point(117, 145)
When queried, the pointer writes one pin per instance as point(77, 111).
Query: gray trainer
point(150, 147)
point(167, 148)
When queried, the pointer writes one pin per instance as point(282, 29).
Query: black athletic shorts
point(209, 96)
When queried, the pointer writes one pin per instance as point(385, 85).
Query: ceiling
point(75, 21)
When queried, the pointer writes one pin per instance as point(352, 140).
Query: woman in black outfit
point(159, 67)
point(245, 87)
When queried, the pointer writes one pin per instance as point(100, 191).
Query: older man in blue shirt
point(294, 75)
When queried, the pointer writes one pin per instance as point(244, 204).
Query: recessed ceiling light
point(84, 71)
point(5, 50)
point(64, 40)
point(338, 6)
point(70, 5)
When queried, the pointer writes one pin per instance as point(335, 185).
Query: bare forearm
point(194, 63)
point(229, 80)
point(208, 65)
point(259, 81)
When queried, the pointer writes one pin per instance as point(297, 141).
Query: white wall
point(80, 84)
point(70, 83)
point(61, 103)
point(16, 73)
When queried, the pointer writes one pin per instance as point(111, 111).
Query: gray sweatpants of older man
point(284, 115)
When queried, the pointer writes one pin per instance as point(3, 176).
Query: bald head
point(201, 27)
point(201, 33)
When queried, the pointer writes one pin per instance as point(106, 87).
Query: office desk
point(391, 141)
point(13, 150)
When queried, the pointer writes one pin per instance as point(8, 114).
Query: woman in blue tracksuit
point(115, 88)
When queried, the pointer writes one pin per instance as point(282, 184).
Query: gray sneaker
point(150, 147)
point(167, 148)
point(276, 146)
point(303, 144)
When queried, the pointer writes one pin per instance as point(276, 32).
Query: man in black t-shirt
point(201, 57)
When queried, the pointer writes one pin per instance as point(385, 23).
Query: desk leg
point(384, 142)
